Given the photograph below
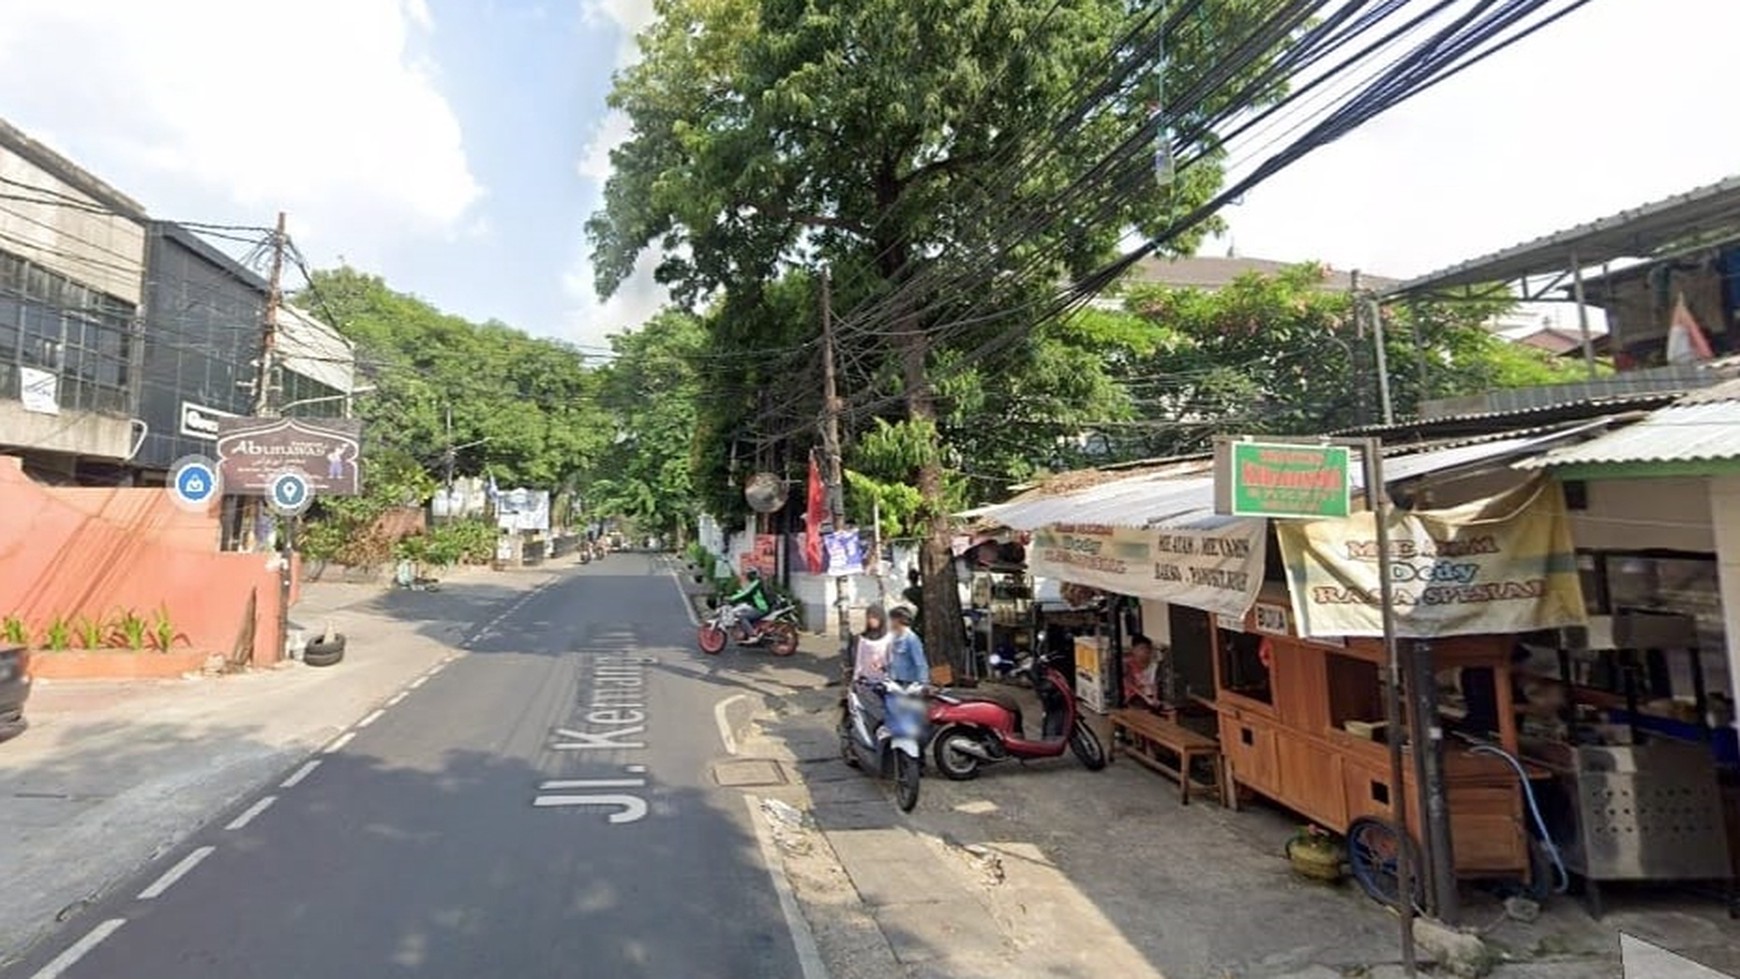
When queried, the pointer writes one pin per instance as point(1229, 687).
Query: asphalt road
point(543, 805)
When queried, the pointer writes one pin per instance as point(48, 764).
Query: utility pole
point(269, 324)
point(834, 475)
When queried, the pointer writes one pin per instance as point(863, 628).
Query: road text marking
point(79, 949)
point(248, 815)
point(300, 774)
point(176, 872)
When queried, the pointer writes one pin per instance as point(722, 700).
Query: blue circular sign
point(193, 483)
point(289, 493)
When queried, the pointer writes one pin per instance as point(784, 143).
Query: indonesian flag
point(1686, 343)
point(814, 516)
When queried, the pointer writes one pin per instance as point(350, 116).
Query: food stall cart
point(1301, 722)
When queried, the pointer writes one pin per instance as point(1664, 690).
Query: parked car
point(14, 690)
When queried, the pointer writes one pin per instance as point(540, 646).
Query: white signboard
point(39, 390)
point(1219, 570)
point(200, 422)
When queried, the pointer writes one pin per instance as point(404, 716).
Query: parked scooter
point(981, 727)
point(887, 743)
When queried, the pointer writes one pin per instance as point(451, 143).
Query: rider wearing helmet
point(751, 602)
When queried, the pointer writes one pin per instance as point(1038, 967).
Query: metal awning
point(1169, 500)
point(1703, 427)
point(1706, 214)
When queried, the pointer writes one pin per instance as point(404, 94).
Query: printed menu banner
point(1504, 564)
point(1219, 570)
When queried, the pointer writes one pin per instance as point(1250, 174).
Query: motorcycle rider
point(751, 604)
point(870, 652)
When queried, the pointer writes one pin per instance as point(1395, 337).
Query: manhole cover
point(747, 773)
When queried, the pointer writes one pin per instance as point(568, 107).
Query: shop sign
point(1090, 681)
point(39, 390)
point(1262, 479)
point(1271, 619)
point(1503, 564)
point(1219, 570)
point(200, 422)
point(253, 452)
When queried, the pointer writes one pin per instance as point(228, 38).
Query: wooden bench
point(1150, 734)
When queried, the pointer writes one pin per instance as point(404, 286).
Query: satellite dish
point(764, 492)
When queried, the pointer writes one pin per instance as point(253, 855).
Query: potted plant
point(1315, 854)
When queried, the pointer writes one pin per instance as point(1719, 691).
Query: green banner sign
point(1267, 479)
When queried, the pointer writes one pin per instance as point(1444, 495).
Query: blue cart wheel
point(1373, 854)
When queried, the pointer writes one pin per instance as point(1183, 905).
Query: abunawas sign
point(254, 451)
point(1265, 479)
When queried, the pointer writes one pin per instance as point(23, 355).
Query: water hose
point(1564, 877)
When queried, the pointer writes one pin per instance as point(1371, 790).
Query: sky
point(456, 147)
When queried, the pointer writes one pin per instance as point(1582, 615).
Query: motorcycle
point(889, 746)
point(777, 630)
point(981, 727)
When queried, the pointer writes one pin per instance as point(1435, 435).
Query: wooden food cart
point(1301, 722)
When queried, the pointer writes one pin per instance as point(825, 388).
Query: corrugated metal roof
point(1187, 502)
point(1636, 233)
point(1702, 427)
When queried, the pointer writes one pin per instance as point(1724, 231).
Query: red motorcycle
point(777, 630)
point(980, 727)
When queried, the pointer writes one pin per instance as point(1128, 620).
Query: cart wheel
point(1373, 851)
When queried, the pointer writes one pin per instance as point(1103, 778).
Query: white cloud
point(639, 297)
point(325, 111)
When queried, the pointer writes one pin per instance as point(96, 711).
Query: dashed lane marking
point(301, 773)
point(418, 682)
point(398, 698)
point(241, 822)
point(79, 949)
point(377, 715)
point(175, 873)
point(339, 742)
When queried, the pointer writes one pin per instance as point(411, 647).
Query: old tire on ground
point(322, 653)
point(956, 765)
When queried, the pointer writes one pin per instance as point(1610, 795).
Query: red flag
point(1686, 341)
point(814, 517)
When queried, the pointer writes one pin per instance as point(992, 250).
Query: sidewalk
point(112, 774)
point(1054, 870)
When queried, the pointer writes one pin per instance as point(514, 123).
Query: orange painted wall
point(95, 551)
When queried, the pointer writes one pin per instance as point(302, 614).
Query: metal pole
point(1428, 740)
point(1376, 501)
point(1357, 306)
point(881, 572)
point(831, 446)
point(1582, 314)
point(1383, 361)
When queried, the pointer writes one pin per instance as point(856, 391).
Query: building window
point(52, 323)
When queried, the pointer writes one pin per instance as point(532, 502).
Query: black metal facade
point(202, 336)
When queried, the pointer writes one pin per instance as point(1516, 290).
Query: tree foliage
point(652, 392)
point(526, 407)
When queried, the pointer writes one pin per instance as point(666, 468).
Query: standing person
point(914, 595)
point(906, 660)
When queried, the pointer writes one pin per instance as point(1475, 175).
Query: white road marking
point(592, 783)
point(683, 596)
point(339, 742)
point(633, 808)
point(719, 711)
point(176, 872)
point(437, 668)
point(79, 949)
point(418, 682)
point(398, 698)
point(377, 715)
point(803, 941)
point(248, 815)
point(301, 773)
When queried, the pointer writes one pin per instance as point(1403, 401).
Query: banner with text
point(1504, 564)
point(1219, 570)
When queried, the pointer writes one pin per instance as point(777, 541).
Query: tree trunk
point(942, 598)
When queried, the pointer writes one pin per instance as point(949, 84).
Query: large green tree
point(652, 391)
point(894, 139)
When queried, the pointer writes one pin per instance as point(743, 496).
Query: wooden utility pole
point(834, 475)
